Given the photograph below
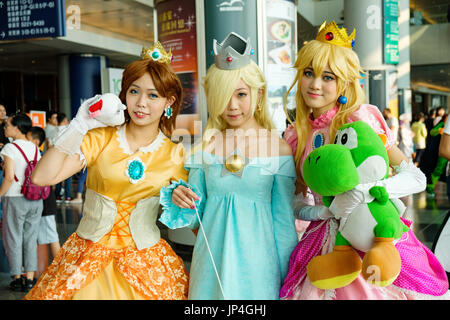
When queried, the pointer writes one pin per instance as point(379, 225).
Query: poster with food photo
point(281, 53)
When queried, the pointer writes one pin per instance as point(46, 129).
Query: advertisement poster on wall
point(177, 32)
point(281, 53)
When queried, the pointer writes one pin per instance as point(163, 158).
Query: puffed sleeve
point(175, 217)
point(93, 143)
point(282, 211)
point(177, 158)
point(8, 150)
point(290, 135)
point(372, 116)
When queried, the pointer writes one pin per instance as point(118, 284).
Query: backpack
point(29, 189)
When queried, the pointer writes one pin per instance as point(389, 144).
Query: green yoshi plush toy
point(357, 157)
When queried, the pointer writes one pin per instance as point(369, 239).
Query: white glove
point(343, 204)
point(99, 111)
point(313, 213)
point(407, 180)
point(304, 211)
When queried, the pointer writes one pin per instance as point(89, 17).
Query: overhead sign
point(391, 37)
point(26, 19)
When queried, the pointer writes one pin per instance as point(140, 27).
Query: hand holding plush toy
point(335, 170)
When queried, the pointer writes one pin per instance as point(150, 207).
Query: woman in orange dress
point(116, 251)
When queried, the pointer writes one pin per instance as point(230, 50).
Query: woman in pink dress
point(329, 95)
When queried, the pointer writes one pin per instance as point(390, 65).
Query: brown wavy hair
point(166, 83)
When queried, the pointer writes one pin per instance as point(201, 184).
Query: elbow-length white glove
point(308, 212)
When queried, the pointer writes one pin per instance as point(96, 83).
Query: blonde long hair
point(219, 86)
point(344, 63)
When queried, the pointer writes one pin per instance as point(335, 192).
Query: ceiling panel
point(128, 18)
point(122, 19)
point(433, 11)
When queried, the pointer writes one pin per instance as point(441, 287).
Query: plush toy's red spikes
point(96, 106)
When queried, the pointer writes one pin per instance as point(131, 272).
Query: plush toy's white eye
point(347, 137)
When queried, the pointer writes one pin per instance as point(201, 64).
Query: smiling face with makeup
point(319, 90)
point(145, 104)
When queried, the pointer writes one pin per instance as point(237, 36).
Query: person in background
point(47, 225)
point(440, 163)
point(63, 122)
point(20, 215)
point(430, 120)
point(392, 123)
point(3, 140)
point(444, 151)
point(51, 128)
point(80, 187)
point(420, 134)
point(3, 117)
point(405, 136)
point(440, 114)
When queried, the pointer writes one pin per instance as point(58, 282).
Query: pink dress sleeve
point(290, 135)
point(372, 115)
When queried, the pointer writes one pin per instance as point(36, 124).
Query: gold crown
point(157, 53)
point(331, 33)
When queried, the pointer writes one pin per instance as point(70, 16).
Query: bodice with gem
point(117, 173)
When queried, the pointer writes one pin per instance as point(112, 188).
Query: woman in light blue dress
point(241, 186)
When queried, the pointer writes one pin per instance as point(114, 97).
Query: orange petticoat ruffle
point(156, 272)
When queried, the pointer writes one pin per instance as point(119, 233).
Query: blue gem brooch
point(135, 170)
point(318, 140)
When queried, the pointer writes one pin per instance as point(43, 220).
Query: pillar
point(377, 43)
point(79, 79)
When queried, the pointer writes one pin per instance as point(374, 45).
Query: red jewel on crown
point(329, 36)
point(229, 59)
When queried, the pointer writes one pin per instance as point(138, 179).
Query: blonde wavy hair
point(344, 63)
point(219, 86)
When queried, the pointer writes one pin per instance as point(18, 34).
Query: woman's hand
point(99, 111)
point(182, 197)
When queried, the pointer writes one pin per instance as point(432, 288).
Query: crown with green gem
point(157, 53)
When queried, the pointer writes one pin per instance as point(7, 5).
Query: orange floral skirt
point(154, 273)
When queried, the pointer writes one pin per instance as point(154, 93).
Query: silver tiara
point(233, 53)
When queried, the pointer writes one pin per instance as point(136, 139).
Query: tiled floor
point(427, 214)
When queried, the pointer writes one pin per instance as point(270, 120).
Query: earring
point(342, 99)
point(168, 112)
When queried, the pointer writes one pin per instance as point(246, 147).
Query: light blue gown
point(248, 221)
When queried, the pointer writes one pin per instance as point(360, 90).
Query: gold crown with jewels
point(331, 33)
point(157, 53)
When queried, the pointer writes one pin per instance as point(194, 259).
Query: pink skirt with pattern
point(421, 276)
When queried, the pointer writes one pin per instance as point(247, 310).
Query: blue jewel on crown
point(135, 170)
